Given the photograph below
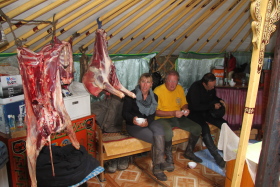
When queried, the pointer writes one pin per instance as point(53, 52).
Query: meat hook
point(99, 23)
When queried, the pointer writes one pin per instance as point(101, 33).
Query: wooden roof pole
point(262, 26)
point(231, 7)
point(182, 11)
point(106, 18)
point(226, 21)
point(181, 24)
point(37, 14)
point(248, 33)
point(236, 34)
point(26, 6)
point(4, 3)
point(73, 16)
point(193, 27)
point(160, 12)
point(153, 4)
point(230, 27)
point(136, 9)
point(126, 16)
point(41, 26)
point(167, 23)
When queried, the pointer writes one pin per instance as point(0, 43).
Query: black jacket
point(71, 166)
point(130, 110)
point(199, 99)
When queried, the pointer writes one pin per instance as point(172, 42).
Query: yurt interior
point(111, 93)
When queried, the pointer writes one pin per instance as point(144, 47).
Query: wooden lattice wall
point(163, 64)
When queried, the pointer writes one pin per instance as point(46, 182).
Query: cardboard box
point(19, 133)
point(15, 109)
point(77, 106)
point(10, 86)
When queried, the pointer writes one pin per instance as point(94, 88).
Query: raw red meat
point(101, 74)
point(83, 62)
point(42, 74)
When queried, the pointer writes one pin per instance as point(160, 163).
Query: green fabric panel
point(192, 66)
point(128, 67)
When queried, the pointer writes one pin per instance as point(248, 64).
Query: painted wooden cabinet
point(246, 177)
point(85, 129)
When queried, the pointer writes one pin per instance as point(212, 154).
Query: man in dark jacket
point(205, 107)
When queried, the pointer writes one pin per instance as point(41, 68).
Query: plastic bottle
point(269, 61)
point(7, 130)
point(11, 120)
point(20, 122)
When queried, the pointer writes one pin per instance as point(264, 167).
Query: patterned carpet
point(139, 174)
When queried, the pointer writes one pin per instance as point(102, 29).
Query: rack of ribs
point(42, 74)
point(101, 73)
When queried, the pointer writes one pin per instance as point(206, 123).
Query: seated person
point(172, 111)
point(144, 106)
point(231, 66)
point(205, 107)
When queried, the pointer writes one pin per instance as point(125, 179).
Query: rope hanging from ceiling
point(18, 41)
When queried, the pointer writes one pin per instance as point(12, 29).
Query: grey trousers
point(146, 133)
point(182, 123)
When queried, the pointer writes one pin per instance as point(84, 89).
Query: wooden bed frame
point(118, 150)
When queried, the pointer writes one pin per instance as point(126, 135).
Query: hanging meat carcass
point(83, 62)
point(101, 74)
point(42, 74)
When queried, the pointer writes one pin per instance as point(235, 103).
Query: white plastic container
point(77, 106)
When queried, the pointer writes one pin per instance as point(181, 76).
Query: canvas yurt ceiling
point(133, 26)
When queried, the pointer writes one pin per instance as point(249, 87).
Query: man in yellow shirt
point(172, 111)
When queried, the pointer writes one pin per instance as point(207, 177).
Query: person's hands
point(223, 103)
point(178, 113)
point(144, 124)
point(186, 112)
point(217, 105)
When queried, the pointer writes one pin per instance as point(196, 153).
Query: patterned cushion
point(118, 136)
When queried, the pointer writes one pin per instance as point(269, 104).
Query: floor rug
point(209, 162)
point(183, 176)
point(139, 174)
